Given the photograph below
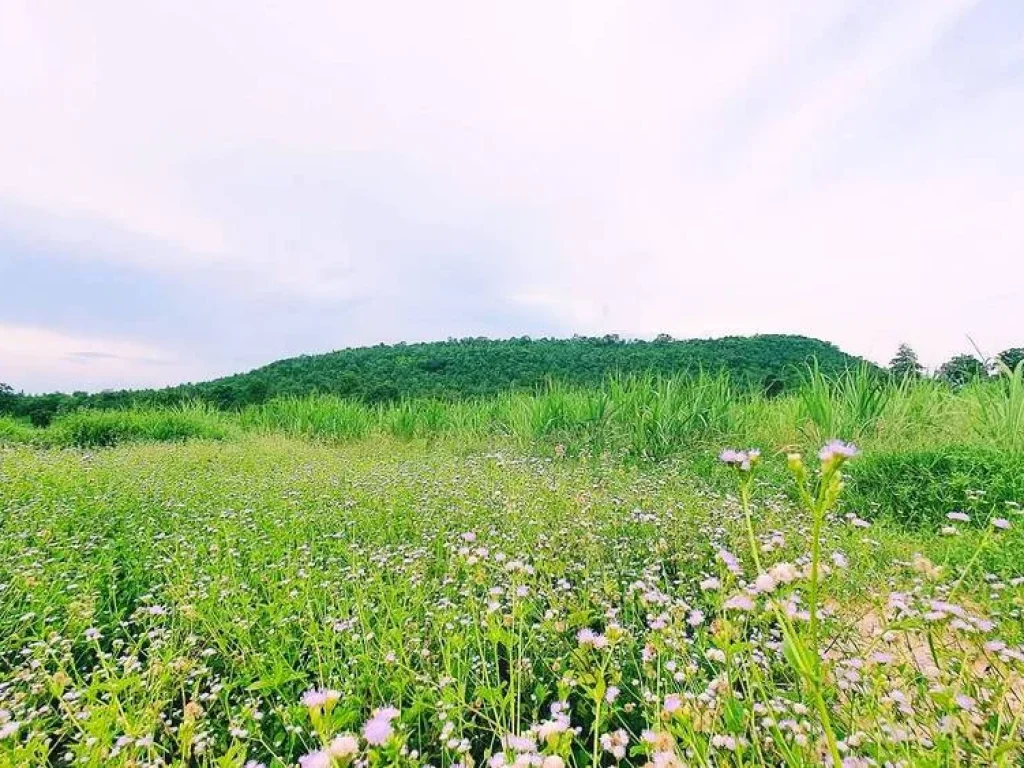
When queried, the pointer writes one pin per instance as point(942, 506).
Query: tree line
point(460, 368)
point(959, 370)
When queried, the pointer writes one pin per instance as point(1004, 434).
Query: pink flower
point(318, 759)
point(742, 460)
point(589, 637)
point(837, 450)
point(710, 584)
point(386, 713)
point(730, 562)
point(343, 746)
point(765, 582)
point(520, 743)
point(319, 697)
point(616, 743)
point(739, 602)
point(730, 456)
point(377, 731)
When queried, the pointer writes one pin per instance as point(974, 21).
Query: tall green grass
point(643, 417)
point(318, 416)
point(997, 409)
point(848, 406)
point(95, 429)
point(653, 417)
point(14, 431)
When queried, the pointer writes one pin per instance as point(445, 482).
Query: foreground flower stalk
point(818, 498)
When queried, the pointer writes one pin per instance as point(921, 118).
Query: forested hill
point(481, 366)
point(469, 367)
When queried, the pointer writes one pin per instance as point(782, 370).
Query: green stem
point(970, 563)
point(745, 503)
point(812, 596)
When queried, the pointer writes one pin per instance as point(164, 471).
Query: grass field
point(572, 578)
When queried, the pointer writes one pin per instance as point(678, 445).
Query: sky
point(194, 189)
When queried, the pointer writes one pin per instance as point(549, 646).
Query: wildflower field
point(576, 578)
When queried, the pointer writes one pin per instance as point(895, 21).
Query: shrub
point(921, 487)
point(94, 429)
point(13, 431)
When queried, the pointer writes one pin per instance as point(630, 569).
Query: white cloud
point(845, 170)
point(39, 356)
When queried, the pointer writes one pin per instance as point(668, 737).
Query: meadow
point(581, 576)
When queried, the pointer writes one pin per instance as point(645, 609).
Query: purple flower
point(377, 731)
point(318, 759)
point(742, 460)
point(319, 697)
point(730, 562)
point(314, 698)
point(386, 713)
point(739, 602)
point(835, 450)
point(519, 743)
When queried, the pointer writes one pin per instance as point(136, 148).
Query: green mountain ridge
point(472, 367)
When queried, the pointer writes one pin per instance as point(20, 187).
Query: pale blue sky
point(188, 191)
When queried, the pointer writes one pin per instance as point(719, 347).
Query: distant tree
point(905, 363)
point(347, 384)
point(961, 370)
point(223, 395)
point(256, 391)
point(384, 392)
point(8, 398)
point(1012, 357)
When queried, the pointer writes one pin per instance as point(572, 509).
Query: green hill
point(470, 367)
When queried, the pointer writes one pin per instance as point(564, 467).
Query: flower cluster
point(514, 610)
point(344, 748)
point(741, 460)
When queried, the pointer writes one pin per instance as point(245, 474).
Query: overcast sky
point(189, 189)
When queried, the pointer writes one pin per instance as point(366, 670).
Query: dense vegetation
point(574, 576)
point(931, 446)
point(469, 368)
point(266, 600)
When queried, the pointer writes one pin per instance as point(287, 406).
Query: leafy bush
point(94, 429)
point(921, 487)
point(13, 431)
